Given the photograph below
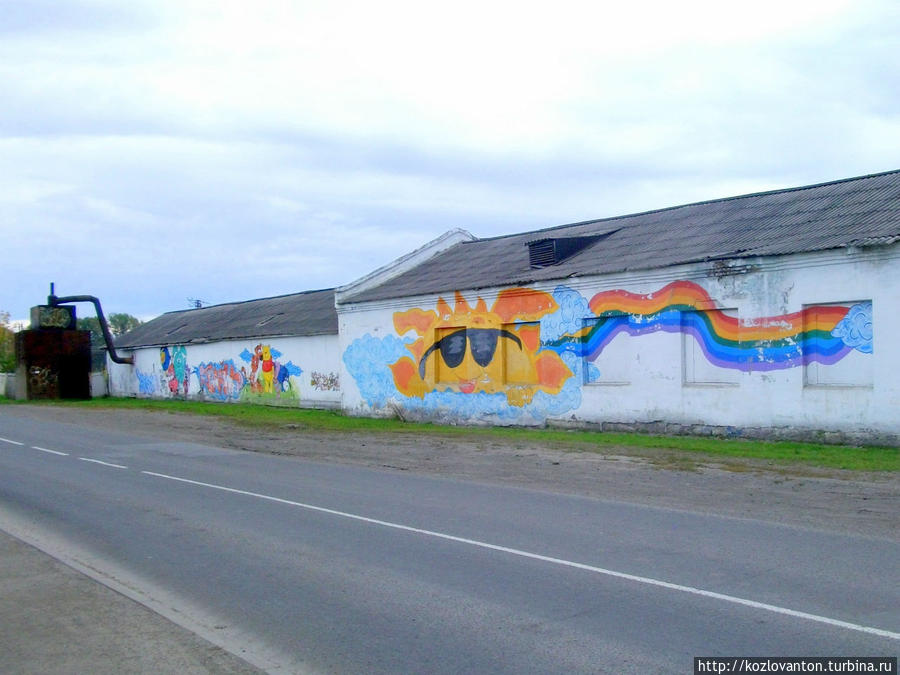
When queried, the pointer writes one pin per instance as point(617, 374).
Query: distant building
point(756, 315)
point(278, 351)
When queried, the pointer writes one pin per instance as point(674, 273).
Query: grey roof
point(863, 211)
point(309, 313)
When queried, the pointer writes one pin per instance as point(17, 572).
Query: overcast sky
point(155, 151)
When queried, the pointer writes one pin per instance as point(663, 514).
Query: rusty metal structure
point(53, 358)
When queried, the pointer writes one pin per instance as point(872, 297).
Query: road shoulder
point(57, 620)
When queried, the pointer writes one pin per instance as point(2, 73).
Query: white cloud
point(228, 150)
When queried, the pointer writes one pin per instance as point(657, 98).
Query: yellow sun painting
point(470, 350)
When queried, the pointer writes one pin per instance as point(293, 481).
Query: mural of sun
point(467, 350)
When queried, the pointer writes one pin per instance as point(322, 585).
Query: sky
point(154, 152)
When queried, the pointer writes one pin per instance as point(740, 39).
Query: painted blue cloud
point(367, 360)
point(292, 369)
point(569, 318)
point(855, 329)
point(479, 405)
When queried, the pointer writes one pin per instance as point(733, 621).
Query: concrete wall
point(297, 371)
point(8, 385)
point(99, 388)
point(781, 346)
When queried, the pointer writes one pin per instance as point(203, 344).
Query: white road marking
point(556, 561)
point(53, 452)
point(97, 461)
point(6, 440)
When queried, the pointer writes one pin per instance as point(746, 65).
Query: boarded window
point(709, 344)
point(837, 344)
point(450, 353)
point(610, 351)
point(517, 343)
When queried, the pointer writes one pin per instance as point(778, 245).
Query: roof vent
point(546, 252)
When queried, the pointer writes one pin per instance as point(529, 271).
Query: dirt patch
point(842, 501)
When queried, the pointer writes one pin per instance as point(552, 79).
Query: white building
point(756, 315)
point(277, 351)
point(772, 315)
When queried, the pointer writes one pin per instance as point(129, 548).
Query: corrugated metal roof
point(863, 211)
point(309, 313)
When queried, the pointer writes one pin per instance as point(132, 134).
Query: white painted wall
point(98, 385)
point(662, 376)
point(317, 384)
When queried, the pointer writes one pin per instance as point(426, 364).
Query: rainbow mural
point(823, 334)
point(529, 353)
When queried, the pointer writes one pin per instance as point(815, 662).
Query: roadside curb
point(59, 617)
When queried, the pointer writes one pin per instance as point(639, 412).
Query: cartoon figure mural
point(268, 368)
point(251, 378)
point(469, 360)
point(175, 371)
point(268, 376)
point(266, 379)
point(269, 379)
point(474, 349)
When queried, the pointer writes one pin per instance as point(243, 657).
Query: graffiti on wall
point(823, 334)
point(221, 381)
point(43, 382)
point(172, 379)
point(528, 354)
point(268, 378)
point(325, 381)
point(146, 383)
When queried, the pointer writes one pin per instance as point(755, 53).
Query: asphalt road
point(327, 568)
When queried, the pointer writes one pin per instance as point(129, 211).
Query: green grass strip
point(852, 458)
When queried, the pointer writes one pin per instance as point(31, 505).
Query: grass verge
point(866, 458)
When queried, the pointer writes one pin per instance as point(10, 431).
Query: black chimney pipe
point(54, 301)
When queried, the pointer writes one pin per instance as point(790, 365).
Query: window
point(837, 345)
point(610, 351)
point(450, 345)
point(709, 340)
point(552, 251)
point(517, 341)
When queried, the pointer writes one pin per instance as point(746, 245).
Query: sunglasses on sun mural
point(453, 346)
